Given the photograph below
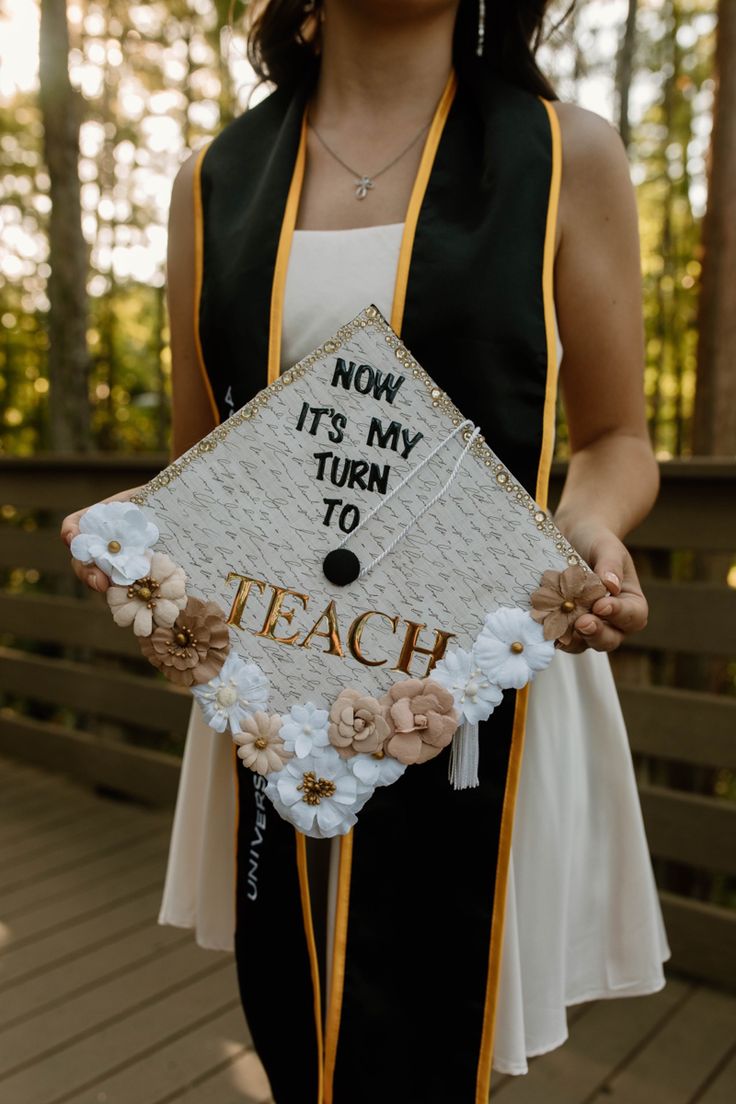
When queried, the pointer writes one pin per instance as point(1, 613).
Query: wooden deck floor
point(101, 1005)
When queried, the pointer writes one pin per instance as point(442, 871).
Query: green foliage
point(157, 79)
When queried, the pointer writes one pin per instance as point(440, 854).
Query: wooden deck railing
point(76, 696)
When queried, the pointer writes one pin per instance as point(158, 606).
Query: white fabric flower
point(475, 695)
point(318, 794)
point(374, 770)
point(510, 648)
point(305, 728)
point(237, 691)
point(116, 536)
point(154, 599)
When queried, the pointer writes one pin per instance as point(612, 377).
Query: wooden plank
point(150, 776)
point(68, 836)
point(44, 822)
point(688, 617)
point(69, 980)
point(25, 962)
point(42, 549)
point(66, 484)
point(690, 828)
point(597, 1044)
point(95, 899)
point(722, 1089)
point(67, 883)
point(242, 1081)
point(702, 938)
point(104, 1005)
point(105, 693)
point(106, 839)
point(673, 1064)
point(61, 1076)
point(685, 725)
point(73, 622)
point(182, 1068)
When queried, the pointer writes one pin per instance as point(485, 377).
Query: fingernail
point(612, 578)
point(605, 610)
point(92, 582)
point(587, 627)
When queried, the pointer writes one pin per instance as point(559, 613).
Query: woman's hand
point(94, 578)
point(624, 610)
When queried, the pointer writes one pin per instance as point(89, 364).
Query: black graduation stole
point(421, 893)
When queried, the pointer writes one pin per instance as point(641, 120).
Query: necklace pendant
point(362, 187)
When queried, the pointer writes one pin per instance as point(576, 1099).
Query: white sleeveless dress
point(583, 919)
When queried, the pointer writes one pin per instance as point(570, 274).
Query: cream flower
point(237, 691)
point(475, 695)
point(318, 794)
point(304, 729)
point(154, 599)
point(260, 745)
point(423, 719)
point(357, 723)
point(116, 536)
point(511, 648)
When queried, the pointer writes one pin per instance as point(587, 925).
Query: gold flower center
point(114, 546)
point(567, 606)
point(260, 743)
point(517, 647)
point(315, 788)
point(183, 639)
point(144, 590)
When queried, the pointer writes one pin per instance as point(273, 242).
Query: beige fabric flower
point(260, 744)
point(155, 599)
point(562, 597)
point(423, 719)
point(194, 648)
point(357, 723)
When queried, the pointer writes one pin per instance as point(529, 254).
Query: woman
point(414, 156)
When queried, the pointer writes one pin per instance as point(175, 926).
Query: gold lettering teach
point(410, 647)
point(276, 613)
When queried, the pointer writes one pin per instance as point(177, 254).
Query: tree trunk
point(68, 354)
point(715, 397)
point(624, 72)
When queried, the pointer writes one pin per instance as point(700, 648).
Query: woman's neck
point(384, 65)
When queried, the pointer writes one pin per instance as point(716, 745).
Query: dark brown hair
point(283, 40)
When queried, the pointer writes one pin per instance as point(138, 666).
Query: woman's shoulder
point(591, 145)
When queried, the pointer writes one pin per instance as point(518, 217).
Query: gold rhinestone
point(144, 593)
point(114, 546)
point(567, 606)
point(181, 638)
point(517, 647)
point(260, 743)
point(572, 559)
point(502, 477)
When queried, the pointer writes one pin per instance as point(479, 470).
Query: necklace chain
point(363, 182)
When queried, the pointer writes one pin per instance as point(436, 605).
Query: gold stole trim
point(483, 1083)
point(199, 276)
point(301, 861)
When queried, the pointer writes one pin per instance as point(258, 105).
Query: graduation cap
point(346, 576)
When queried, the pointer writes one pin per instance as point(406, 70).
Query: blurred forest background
point(123, 91)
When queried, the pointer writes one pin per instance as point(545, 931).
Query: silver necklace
point(363, 182)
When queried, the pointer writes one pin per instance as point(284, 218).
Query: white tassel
point(464, 757)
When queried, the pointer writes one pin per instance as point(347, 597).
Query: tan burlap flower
point(423, 719)
point(194, 648)
point(155, 599)
point(562, 597)
point(357, 723)
point(260, 744)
